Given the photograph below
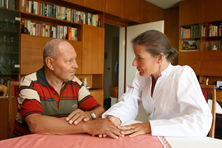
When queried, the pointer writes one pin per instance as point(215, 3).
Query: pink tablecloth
point(80, 141)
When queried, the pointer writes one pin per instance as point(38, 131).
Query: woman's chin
point(142, 74)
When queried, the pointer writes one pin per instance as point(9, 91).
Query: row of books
point(60, 12)
point(9, 4)
point(213, 45)
point(6, 82)
point(191, 31)
point(191, 44)
point(44, 30)
point(211, 29)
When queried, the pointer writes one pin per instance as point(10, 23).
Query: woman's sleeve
point(127, 107)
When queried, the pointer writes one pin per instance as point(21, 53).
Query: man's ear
point(160, 57)
point(49, 61)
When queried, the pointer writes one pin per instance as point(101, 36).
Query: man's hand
point(77, 116)
point(102, 127)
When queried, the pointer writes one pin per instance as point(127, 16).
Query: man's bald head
point(51, 48)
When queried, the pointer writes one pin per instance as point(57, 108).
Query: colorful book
point(37, 29)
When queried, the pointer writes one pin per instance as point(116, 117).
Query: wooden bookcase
point(206, 62)
point(89, 46)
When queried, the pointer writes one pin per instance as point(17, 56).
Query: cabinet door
point(190, 12)
point(211, 10)
point(193, 59)
point(32, 53)
point(132, 10)
point(115, 7)
point(93, 50)
point(98, 95)
point(96, 4)
point(211, 64)
point(9, 42)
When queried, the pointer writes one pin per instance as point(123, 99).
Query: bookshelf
point(85, 43)
point(206, 61)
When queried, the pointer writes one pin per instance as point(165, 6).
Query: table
point(80, 141)
point(88, 141)
point(195, 142)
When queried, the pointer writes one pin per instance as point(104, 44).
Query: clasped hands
point(108, 126)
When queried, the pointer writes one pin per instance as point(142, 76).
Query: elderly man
point(53, 101)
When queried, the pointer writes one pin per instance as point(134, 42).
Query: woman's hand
point(77, 116)
point(135, 129)
point(116, 121)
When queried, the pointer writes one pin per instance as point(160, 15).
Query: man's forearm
point(41, 124)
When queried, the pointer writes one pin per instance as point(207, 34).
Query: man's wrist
point(92, 115)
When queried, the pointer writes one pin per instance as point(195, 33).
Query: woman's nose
point(134, 62)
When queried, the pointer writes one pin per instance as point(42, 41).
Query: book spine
point(65, 32)
point(84, 18)
point(58, 32)
point(46, 30)
point(36, 29)
point(22, 5)
point(30, 7)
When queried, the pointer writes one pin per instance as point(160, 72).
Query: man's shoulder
point(29, 78)
point(76, 81)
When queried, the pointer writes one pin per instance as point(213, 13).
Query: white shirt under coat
point(177, 107)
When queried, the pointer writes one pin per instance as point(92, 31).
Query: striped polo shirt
point(36, 95)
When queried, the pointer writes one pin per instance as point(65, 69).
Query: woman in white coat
point(171, 95)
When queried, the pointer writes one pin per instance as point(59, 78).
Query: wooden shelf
point(50, 20)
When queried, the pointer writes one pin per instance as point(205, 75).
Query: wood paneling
point(3, 118)
point(93, 50)
point(211, 55)
point(78, 2)
point(171, 23)
point(132, 10)
point(190, 12)
point(211, 63)
point(32, 53)
point(150, 12)
point(211, 10)
point(211, 68)
point(193, 59)
point(98, 95)
point(96, 4)
point(115, 7)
